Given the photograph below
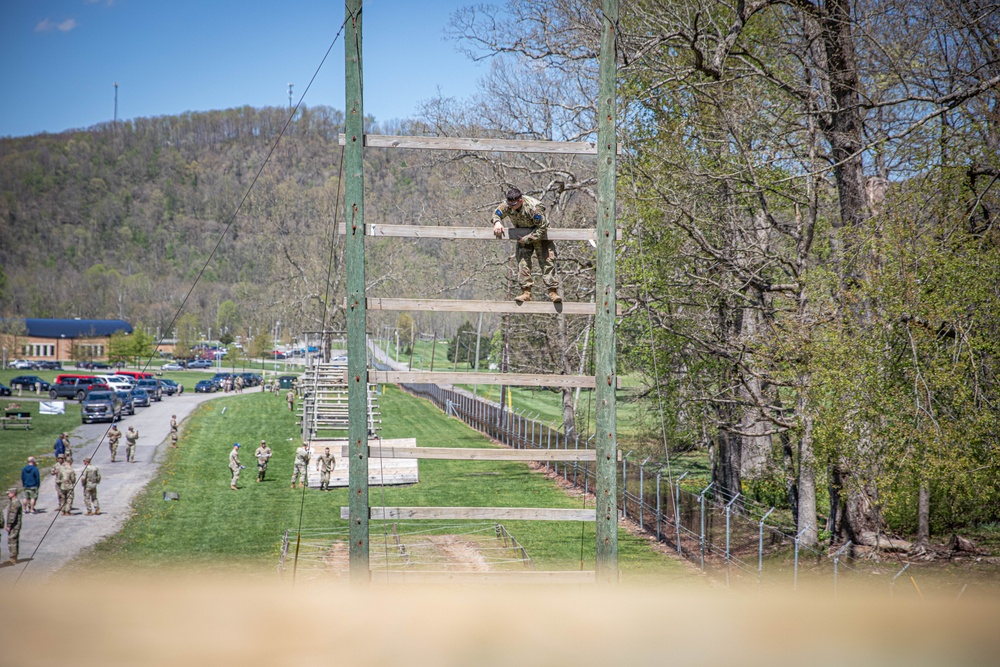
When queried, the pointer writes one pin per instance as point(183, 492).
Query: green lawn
point(212, 525)
point(16, 445)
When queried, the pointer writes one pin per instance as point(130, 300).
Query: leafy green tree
point(187, 335)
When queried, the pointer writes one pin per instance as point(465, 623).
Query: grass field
point(16, 445)
point(213, 526)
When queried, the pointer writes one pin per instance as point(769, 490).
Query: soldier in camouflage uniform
point(290, 397)
point(324, 464)
point(263, 454)
point(301, 470)
point(13, 524)
point(66, 479)
point(525, 211)
point(60, 496)
point(234, 465)
point(173, 423)
point(90, 477)
point(114, 435)
point(131, 437)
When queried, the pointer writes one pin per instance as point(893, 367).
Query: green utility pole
point(604, 321)
point(357, 354)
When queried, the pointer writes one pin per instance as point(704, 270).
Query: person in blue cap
point(234, 465)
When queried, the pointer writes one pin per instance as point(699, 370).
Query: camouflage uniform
point(13, 525)
point(531, 213)
point(131, 437)
point(91, 477)
point(301, 470)
point(234, 465)
point(290, 397)
point(114, 435)
point(66, 478)
point(324, 464)
point(263, 453)
point(56, 469)
point(173, 424)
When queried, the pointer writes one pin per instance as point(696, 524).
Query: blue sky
point(61, 58)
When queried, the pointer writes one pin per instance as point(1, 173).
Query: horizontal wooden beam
point(486, 578)
point(477, 453)
point(475, 144)
point(475, 306)
point(506, 379)
point(484, 233)
point(478, 513)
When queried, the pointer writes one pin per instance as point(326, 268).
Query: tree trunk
point(924, 515)
point(806, 483)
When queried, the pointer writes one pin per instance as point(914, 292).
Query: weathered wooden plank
point(479, 454)
point(479, 513)
point(483, 578)
point(474, 306)
point(508, 379)
point(476, 144)
point(484, 233)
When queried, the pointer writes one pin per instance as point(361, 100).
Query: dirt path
point(43, 554)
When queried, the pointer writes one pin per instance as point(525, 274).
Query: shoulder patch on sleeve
point(537, 217)
point(498, 213)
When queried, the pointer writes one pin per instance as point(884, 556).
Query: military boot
point(525, 295)
point(554, 295)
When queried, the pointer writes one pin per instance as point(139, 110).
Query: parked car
point(101, 406)
point(29, 382)
point(48, 365)
point(118, 382)
point(128, 405)
point(140, 398)
point(206, 387)
point(200, 363)
point(172, 366)
point(170, 387)
point(22, 364)
point(250, 379)
point(4, 390)
point(152, 387)
point(75, 387)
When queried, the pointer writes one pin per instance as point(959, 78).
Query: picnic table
point(15, 416)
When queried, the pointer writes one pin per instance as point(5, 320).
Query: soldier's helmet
point(513, 195)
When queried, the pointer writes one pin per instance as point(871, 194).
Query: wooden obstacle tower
point(604, 382)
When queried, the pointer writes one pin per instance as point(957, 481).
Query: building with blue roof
point(59, 339)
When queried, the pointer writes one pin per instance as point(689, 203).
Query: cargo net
point(395, 548)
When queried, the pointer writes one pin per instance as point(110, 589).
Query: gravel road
point(120, 482)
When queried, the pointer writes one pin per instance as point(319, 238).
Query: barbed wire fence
point(733, 538)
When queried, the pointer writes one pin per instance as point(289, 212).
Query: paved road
point(120, 482)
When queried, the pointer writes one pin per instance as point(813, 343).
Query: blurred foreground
point(187, 621)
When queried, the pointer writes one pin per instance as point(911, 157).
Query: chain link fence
point(731, 537)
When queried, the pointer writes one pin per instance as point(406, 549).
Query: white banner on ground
point(51, 408)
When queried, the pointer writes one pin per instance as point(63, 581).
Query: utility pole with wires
point(290, 96)
point(116, 102)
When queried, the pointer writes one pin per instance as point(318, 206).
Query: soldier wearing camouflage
point(12, 524)
point(90, 477)
point(325, 464)
point(234, 465)
point(301, 470)
point(523, 211)
point(131, 438)
point(114, 435)
point(66, 479)
point(263, 455)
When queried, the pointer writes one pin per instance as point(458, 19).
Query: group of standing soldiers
point(131, 439)
point(262, 454)
point(324, 465)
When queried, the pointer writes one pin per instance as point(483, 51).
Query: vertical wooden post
point(357, 354)
point(604, 322)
